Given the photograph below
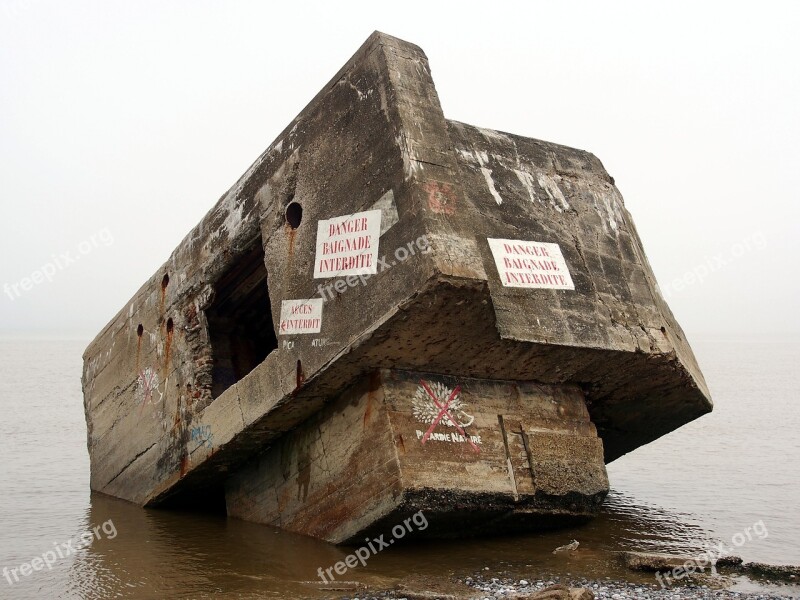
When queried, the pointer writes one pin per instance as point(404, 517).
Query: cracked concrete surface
point(206, 325)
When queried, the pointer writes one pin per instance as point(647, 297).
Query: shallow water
point(704, 484)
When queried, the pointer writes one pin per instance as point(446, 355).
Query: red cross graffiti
point(444, 412)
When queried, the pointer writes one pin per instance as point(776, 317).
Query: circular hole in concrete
point(294, 214)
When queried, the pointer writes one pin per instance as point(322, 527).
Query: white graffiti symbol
point(147, 387)
point(426, 411)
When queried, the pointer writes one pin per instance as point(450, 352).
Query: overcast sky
point(124, 122)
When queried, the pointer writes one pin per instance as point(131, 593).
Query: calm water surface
point(703, 484)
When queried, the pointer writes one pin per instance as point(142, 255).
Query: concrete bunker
point(486, 381)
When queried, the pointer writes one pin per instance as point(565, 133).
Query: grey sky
point(128, 120)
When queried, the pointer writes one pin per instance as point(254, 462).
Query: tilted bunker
point(392, 312)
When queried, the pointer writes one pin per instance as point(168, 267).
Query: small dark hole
point(165, 281)
point(663, 330)
point(140, 330)
point(170, 325)
point(294, 214)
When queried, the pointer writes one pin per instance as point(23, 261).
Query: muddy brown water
point(690, 491)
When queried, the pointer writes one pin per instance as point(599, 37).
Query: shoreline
point(480, 587)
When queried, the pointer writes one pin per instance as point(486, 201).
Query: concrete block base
point(476, 456)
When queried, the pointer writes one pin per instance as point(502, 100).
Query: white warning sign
point(531, 264)
point(348, 245)
point(301, 316)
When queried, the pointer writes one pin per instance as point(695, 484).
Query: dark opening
point(301, 376)
point(140, 330)
point(294, 214)
point(165, 281)
point(240, 320)
point(207, 499)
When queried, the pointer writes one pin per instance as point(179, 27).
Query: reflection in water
point(180, 555)
point(176, 554)
point(630, 525)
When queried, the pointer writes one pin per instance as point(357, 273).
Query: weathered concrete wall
point(647, 381)
point(335, 474)
point(544, 431)
point(175, 403)
point(147, 389)
point(519, 454)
